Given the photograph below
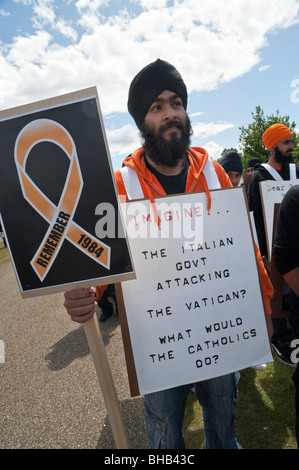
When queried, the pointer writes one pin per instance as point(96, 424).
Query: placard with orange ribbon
point(40, 145)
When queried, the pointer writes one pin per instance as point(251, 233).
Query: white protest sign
point(195, 310)
point(272, 192)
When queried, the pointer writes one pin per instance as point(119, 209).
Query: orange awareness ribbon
point(60, 217)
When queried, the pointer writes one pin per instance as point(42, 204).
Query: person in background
point(106, 297)
point(249, 170)
point(251, 164)
point(286, 258)
point(232, 164)
point(279, 141)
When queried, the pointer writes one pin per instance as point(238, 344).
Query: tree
point(250, 140)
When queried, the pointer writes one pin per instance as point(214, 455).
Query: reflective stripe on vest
point(276, 175)
point(133, 186)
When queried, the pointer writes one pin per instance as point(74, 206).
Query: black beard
point(282, 159)
point(166, 152)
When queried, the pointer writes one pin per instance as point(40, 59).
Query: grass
point(265, 410)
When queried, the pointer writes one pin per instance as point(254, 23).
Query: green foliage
point(250, 140)
point(265, 410)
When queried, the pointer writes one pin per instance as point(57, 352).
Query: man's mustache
point(170, 124)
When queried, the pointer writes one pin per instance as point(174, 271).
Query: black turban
point(253, 161)
point(231, 161)
point(149, 84)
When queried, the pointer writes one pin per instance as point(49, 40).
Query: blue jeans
point(165, 414)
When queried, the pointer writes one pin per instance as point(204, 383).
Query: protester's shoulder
point(199, 152)
point(260, 172)
point(292, 197)
point(288, 215)
point(202, 154)
point(294, 190)
point(119, 179)
point(124, 163)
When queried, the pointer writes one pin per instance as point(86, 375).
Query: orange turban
point(275, 134)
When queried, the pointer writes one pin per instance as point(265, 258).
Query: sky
point(233, 56)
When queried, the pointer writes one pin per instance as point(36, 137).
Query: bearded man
point(166, 164)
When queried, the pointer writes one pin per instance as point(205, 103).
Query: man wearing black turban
point(149, 83)
point(251, 164)
point(165, 164)
point(233, 166)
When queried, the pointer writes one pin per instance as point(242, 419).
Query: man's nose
point(291, 148)
point(170, 112)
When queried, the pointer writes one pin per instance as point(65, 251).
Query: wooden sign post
point(98, 352)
